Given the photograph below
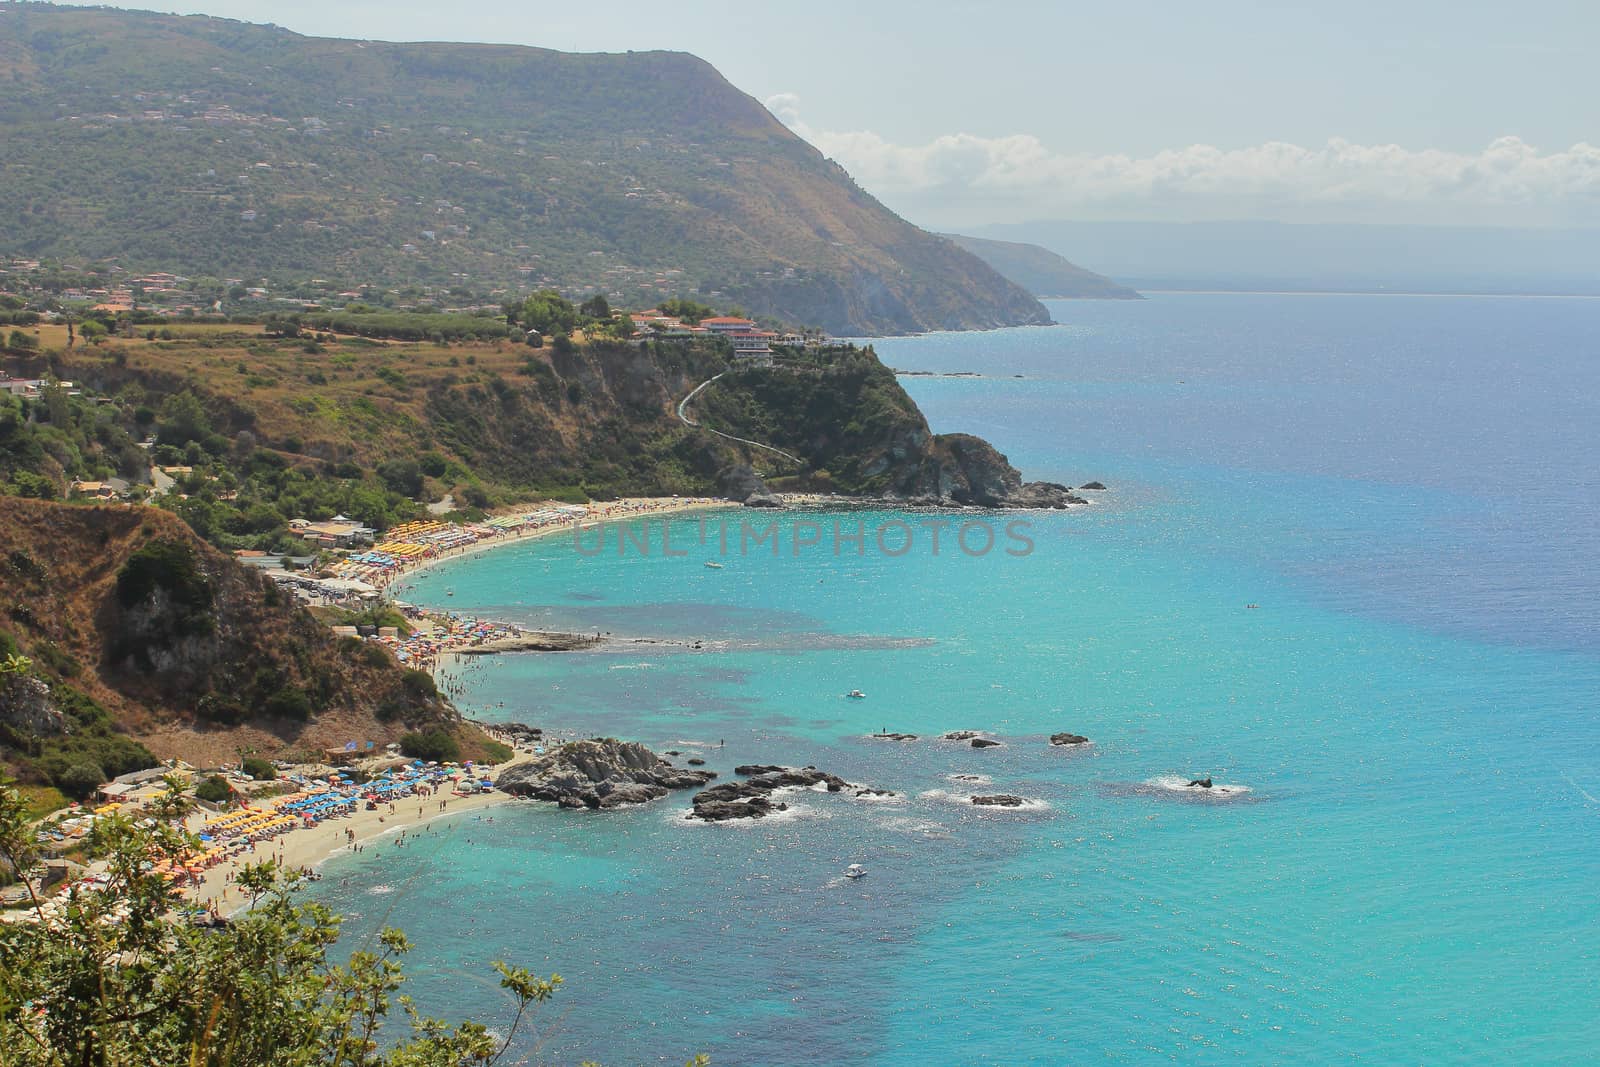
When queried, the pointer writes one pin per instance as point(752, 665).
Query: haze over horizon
point(1364, 114)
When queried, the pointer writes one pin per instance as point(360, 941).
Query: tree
point(403, 476)
point(93, 330)
point(121, 977)
point(259, 769)
point(81, 780)
point(596, 307)
point(436, 744)
point(215, 789)
point(548, 311)
point(22, 342)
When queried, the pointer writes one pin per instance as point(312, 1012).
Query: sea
point(1347, 566)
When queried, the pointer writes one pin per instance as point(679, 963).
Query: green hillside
point(1042, 272)
point(214, 148)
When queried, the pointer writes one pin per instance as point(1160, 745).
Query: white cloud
point(962, 178)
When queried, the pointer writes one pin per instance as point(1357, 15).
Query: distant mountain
point(1327, 256)
point(1042, 272)
point(210, 147)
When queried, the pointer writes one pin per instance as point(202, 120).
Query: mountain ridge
point(205, 146)
point(1043, 273)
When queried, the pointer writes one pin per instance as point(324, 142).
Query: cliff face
point(211, 147)
point(859, 433)
point(186, 651)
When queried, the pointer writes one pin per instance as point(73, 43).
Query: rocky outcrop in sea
point(599, 773)
point(752, 798)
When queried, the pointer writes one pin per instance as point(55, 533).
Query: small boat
point(713, 564)
point(855, 870)
point(856, 694)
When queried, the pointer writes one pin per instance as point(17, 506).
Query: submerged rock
point(600, 773)
point(894, 737)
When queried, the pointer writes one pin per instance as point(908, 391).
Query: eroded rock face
point(965, 470)
point(740, 482)
point(600, 773)
point(25, 705)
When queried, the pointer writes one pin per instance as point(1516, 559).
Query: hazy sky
point(1467, 111)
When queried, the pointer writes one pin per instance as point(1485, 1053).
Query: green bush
point(221, 709)
point(81, 780)
point(289, 703)
point(214, 789)
point(259, 769)
point(435, 744)
point(419, 685)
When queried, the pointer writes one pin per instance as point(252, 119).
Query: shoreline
point(310, 847)
point(608, 511)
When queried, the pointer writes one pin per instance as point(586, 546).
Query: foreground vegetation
point(121, 977)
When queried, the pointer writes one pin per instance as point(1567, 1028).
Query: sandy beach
point(309, 847)
point(602, 511)
point(391, 824)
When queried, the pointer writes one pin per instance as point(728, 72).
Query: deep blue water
point(1406, 486)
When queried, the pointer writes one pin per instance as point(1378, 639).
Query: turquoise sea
point(1409, 490)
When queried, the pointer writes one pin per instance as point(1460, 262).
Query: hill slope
point(130, 620)
point(211, 147)
point(1042, 272)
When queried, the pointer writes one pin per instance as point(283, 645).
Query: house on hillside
point(94, 490)
point(748, 342)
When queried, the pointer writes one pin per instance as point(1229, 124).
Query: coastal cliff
point(858, 432)
point(132, 639)
point(502, 420)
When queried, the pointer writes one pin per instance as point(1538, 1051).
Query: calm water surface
point(1407, 488)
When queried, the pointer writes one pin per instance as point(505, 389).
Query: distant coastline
point(1365, 292)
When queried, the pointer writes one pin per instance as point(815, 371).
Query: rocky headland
point(599, 773)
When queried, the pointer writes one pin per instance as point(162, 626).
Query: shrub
point(289, 703)
point(259, 769)
point(214, 789)
point(435, 744)
point(419, 685)
point(81, 780)
point(221, 709)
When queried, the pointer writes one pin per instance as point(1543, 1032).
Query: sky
point(957, 114)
